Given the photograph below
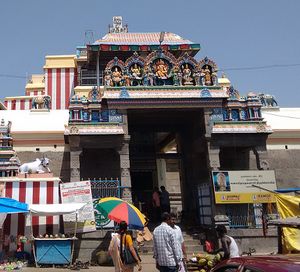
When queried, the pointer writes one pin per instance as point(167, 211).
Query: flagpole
point(262, 188)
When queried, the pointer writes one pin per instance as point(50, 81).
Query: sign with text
point(236, 186)
point(79, 192)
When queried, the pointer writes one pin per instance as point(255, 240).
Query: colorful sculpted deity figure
point(136, 75)
point(161, 69)
point(107, 78)
point(175, 77)
point(197, 76)
point(206, 76)
point(148, 79)
point(214, 78)
point(187, 73)
point(136, 71)
point(116, 77)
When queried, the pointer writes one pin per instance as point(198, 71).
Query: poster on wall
point(236, 186)
point(102, 222)
point(73, 192)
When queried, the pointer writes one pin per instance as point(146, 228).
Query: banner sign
point(80, 192)
point(236, 186)
point(102, 222)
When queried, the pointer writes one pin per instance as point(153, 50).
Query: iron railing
point(105, 188)
point(89, 78)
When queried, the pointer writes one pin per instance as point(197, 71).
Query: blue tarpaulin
point(9, 205)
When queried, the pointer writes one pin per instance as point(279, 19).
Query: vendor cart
point(54, 250)
point(289, 222)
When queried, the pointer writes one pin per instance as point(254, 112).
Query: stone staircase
point(88, 244)
point(192, 244)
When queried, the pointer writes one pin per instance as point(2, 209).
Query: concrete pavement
point(148, 265)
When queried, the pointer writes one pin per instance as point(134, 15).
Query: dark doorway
point(176, 134)
point(142, 185)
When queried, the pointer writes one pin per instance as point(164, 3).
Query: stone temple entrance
point(167, 147)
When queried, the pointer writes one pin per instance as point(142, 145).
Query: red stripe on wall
point(49, 84)
point(75, 82)
point(67, 87)
point(22, 104)
point(35, 200)
point(35, 92)
point(49, 219)
point(13, 104)
point(58, 88)
point(21, 217)
point(7, 222)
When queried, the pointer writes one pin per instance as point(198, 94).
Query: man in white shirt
point(166, 250)
point(229, 245)
point(180, 242)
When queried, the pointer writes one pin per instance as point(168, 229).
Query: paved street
point(148, 265)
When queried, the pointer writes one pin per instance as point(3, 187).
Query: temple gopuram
point(143, 110)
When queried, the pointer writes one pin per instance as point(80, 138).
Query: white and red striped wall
point(19, 103)
point(30, 191)
point(34, 92)
point(59, 83)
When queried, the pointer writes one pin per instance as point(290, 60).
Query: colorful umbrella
point(119, 210)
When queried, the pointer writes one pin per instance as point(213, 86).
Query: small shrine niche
point(208, 72)
point(116, 76)
point(114, 73)
point(186, 71)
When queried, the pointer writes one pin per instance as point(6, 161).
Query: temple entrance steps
point(192, 244)
point(89, 244)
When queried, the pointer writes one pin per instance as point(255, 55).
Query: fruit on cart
point(202, 261)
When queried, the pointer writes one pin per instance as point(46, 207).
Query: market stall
point(54, 249)
point(289, 222)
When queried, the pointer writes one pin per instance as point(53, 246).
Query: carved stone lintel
point(124, 161)
point(75, 174)
point(126, 194)
point(214, 157)
point(125, 172)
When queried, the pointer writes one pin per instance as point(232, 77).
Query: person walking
point(156, 204)
point(164, 200)
point(180, 242)
point(166, 249)
point(229, 245)
point(118, 243)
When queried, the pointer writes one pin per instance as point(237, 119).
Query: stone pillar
point(75, 165)
point(214, 157)
point(125, 170)
point(125, 162)
point(213, 150)
point(161, 172)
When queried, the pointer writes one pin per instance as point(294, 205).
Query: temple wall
point(59, 162)
point(286, 164)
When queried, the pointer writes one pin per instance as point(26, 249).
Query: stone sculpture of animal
point(36, 166)
point(268, 100)
point(41, 102)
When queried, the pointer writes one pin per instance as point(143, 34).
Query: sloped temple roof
point(142, 39)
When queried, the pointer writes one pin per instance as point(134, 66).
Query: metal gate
point(105, 188)
point(205, 210)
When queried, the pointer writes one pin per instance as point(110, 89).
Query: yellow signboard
point(236, 186)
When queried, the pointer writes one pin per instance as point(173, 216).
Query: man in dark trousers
point(164, 200)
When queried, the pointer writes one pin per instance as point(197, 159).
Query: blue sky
point(235, 34)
